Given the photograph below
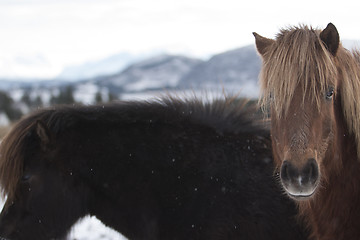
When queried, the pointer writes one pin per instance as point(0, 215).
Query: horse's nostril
point(311, 171)
point(285, 171)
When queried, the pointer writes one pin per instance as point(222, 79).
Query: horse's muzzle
point(300, 183)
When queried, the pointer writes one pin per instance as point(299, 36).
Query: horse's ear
point(330, 38)
point(262, 43)
point(44, 135)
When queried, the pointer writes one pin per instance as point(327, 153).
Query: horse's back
point(166, 170)
point(183, 178)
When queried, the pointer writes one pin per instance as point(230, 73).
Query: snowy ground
point(89, 228)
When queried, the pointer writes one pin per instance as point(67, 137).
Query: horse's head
point(43, 199)
point(299, 84)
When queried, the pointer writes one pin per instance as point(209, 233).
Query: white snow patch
point(16, 94)
point(4, 120)
point(44, 94)
point(85, 93)
point(88, 228)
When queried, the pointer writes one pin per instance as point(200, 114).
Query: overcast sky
point(39, 37)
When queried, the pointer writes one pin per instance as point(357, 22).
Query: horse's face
point(303, 120)
point(301, 138)
point(46, 201)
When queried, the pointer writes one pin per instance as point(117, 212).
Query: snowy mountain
point(234, 67)
point(161, 72)
point(106, 66)
point(235, 71)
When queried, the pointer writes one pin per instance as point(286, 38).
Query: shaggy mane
point(300, 59)
point(11, 155)
point(348, 64)
point(223, 115)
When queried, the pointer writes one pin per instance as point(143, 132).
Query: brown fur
point(11, 157)
point(11, 160)
point(298, 69)
point(295, 56)
point(303, 45)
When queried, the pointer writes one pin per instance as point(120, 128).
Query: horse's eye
point(330, 93)
point(26, 177)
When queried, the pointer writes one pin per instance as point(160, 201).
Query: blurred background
point(95, 51)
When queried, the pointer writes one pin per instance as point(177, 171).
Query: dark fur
point(150, 170)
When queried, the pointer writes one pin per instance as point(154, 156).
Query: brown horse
point(312, 86)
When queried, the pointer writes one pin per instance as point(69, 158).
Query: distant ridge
point(160, 72)
point(235, 70)
point(233, 67)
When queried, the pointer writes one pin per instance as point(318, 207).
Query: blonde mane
point(349, 77)
point(298, 58)
point(296, 55)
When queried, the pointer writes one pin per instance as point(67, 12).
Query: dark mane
point(222, 115)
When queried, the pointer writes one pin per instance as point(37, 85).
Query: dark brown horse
point(312, 86)
point(151, 170)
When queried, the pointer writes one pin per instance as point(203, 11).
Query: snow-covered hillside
point(236, 70)
point(107, 66)
point(233, 68)
point(163, 71)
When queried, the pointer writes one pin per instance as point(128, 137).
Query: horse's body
point(161, 170)
point(312, 85)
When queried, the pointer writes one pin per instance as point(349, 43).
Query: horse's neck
point(334, 212)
